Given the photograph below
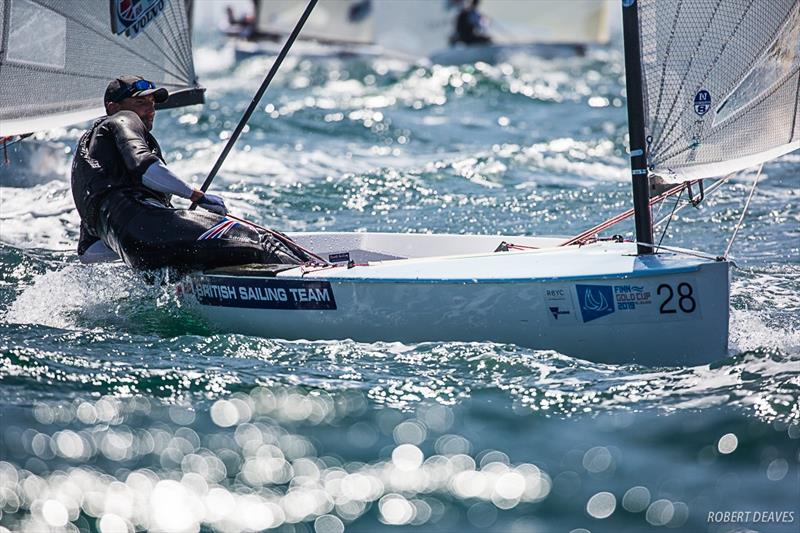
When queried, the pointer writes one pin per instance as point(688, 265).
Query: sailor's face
point(144, 106)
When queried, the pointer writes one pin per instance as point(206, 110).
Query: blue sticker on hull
point(595, 301)
point(261, 293)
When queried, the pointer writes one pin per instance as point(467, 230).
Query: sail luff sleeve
point(4, 13)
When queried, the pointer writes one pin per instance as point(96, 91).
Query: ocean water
point(120, 410)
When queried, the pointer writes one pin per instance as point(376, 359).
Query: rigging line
point(709, 190)
point(744, 211)
point(660, 208)
point(658, 211)
point(796, 102)
point(669, 219)
point(581, 237)
point(257, 97)
point(683, 252)
point(708, 70)
point(105, 37)
point(10, 140)
point(664, 65)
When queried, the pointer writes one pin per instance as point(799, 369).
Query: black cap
point(123, 87)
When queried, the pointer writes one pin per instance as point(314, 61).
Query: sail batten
point(57, 57)
point(721, 80)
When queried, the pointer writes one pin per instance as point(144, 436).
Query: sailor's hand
point(212, 202)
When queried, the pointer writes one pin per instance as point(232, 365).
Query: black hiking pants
point(147, 235)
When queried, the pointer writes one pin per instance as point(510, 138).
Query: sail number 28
point(681, 298)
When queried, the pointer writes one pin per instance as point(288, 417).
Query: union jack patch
point(218, 231)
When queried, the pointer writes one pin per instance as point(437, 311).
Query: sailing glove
point(213, 203)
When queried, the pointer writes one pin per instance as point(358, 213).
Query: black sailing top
point(112, 155)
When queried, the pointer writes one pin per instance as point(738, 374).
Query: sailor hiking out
point(122, 189)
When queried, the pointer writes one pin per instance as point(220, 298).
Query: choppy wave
point(129, 332)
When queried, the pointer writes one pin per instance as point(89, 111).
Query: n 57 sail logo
point(702, 102)
point(131, 16)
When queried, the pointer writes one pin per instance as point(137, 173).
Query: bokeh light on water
point(95, 462)
point(286, 457)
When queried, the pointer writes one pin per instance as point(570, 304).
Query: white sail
point(56, 56)
point(424, 27)
point(415, 27)
point(332, 21)
point(547, 21)
point(721, 84)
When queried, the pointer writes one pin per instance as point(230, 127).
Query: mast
point(633, 84)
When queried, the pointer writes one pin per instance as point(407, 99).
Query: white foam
point(39, 217)
point(61, 298)
point(208, 60)
point(750, 332)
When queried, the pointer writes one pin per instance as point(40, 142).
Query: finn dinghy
point(712, 88)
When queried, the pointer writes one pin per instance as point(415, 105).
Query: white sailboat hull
point(244, 50)
point(599, 302)
point(496, 53)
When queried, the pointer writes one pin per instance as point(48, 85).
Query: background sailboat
point(335, 28)
point(421, 29)
point(546, 28)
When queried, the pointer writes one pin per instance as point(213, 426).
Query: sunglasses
point(127, 90)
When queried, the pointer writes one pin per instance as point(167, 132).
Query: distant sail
point(547, 21)
point(424, 27)
point(721, 84)
point(332, 21)
point(57, 56)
